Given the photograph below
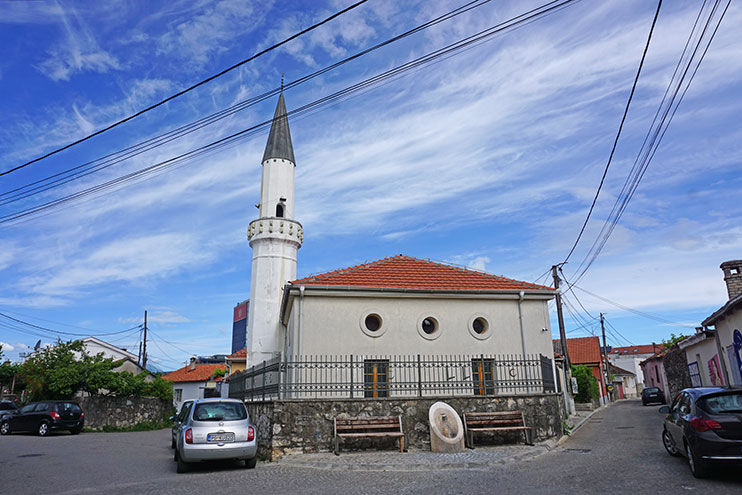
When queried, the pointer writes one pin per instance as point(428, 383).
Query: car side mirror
point(172, 418)
point(664, 410)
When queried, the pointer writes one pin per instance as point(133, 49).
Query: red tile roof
point(200, 373)
point(405, 272)
point(241, 354)
point(637, 349)
point(582, 350)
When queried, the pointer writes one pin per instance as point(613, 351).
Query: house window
point(428, 327)
point(479, 326)
point(372, 324)
point(376, 378)
point(483, 376)
point(695, 374)
point(657, 373)
point(279, 210)
point(178, 392)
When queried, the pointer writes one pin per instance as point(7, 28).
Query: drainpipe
point(521, 295)
point(301, 314)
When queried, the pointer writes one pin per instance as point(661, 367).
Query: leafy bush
point(60, 371)
point(587, 385)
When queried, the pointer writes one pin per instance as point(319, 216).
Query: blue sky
point(487, 159)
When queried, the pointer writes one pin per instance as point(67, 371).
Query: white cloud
point(6, 347)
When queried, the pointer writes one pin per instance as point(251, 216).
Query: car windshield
point(219, 411)
point(720, 404)
point(6, 406)
point(651, 390)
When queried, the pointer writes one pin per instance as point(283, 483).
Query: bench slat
point(501, 428)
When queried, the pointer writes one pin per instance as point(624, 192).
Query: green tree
point(587, 385)
point(674, 339)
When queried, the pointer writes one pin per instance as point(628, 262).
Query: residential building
point(195, 381)
point(727, 322)
point(126, 360)
point(629, 358)
point(702, 356)
point(585, 351)
point(624, 382)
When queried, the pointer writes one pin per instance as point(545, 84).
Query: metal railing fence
point(372, 376)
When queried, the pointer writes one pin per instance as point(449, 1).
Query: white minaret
point(275, 238)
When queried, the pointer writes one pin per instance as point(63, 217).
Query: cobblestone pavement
point(385, 460)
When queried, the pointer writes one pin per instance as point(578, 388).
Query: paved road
point(617, 451)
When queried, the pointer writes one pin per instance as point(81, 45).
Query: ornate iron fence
point(369, 376)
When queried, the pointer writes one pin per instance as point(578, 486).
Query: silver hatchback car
point(216, 429)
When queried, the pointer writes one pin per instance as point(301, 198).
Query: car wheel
point(698, 467)
point(644, 403)
point(251, 463)
point(172, 443)
point(669, 446)
point(5, 428)
point(182, 466)
point(43, 429)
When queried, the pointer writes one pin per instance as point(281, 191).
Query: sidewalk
point(417, 460)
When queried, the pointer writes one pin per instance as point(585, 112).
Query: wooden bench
point(494, 422)
point(380, 426)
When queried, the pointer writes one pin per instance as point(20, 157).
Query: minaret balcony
point(275, 228)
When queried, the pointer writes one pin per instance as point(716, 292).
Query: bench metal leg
point(337, 447)
point(401, 444)
point(527, 434)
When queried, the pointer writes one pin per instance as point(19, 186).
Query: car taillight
point(55, 414)
point(82, 415)
point(189, 436)
point(250, 433)
point(700, 424)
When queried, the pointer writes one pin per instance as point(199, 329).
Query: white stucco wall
point(725, 331)
point(191, 390)
point(702, 352)
point(93, 348)
point(332, 324)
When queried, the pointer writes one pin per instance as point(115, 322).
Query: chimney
point(654, 348)
point(192, 365)
point(733, 277)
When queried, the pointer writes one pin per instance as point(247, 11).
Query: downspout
point(521, 295)
point(301, 314)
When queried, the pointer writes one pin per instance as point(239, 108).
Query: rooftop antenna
point(281, 82)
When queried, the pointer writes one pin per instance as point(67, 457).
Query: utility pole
point(144, 352)
point(604, 374)
point(566, 373)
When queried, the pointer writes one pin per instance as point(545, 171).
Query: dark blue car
point(705, 425)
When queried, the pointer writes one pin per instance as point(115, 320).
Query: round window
point(479, 326)
point(428, 326)
point(372, 322)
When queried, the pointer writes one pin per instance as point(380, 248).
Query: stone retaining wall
point(288, 426)
point(123, 412)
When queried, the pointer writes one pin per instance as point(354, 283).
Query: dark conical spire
point(279, 140)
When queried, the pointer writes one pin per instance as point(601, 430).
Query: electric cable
point(111, 159)
point(618, 134)
point(515, 22)
point(190, 88)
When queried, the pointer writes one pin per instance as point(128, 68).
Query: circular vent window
point(428, 327)
point(372, 324)
point(479, 327)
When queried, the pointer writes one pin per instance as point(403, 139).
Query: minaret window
point(279, 210)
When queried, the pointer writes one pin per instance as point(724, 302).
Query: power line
point(632, 310)
point(618, 134)
point(512, 23)
point(190, 88)
point(619, 333)
point(653, 138)
point(60, 332)
point(50, 321)
point(114, 158)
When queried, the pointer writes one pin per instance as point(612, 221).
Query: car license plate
point(220, 437)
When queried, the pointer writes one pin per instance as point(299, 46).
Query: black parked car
point(705, 426)
point(43, 417)
point(7, 408)
point(652, 394)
